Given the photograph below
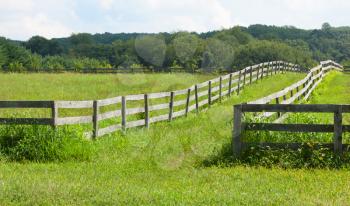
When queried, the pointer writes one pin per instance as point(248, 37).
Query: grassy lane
point(334, 90)
point(71, 86)
point(165, 166)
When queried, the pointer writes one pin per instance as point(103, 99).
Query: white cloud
point(21, 19)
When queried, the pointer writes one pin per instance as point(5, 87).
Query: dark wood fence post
point(257, 74)
point(96, 111)
point(239, 82)
point(237, 131)
point(262, 71)
point(196, 97)
point(244, 75)
point(123, 113)
point(338, 117)
point(251, 75)
point(230, 85)
point(54, 114)
point(209, 94)
point(171, 106)
point(278, 102)
point(188, 101)
point(146, 111)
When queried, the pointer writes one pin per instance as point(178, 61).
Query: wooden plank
point(338, 118)
point(288, 127)
point(203, 102)
point(237, 131)
point(171, 106)
point(318, 108)
point(26, 104)
point(159, 118)
point(123, 113)
point(158, 107)
point(179, 113)
point(108, 130)
point(251, 75)
point(180, 92)
point(203, 93)
point(96, 111)
point(136, 123)
point(204, 84)
point(106, 102)
point(158, 95)
point(74, 120)
point(110, 114)
point(138, 110)
point(135, 97)
point(26, 121)
point(146, 111)
point(74, 104)
point(291, 145)
point(244, 77)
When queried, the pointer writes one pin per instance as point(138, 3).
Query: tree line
point(216, 51)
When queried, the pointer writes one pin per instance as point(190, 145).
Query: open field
point(166, 165)
point(70, 86)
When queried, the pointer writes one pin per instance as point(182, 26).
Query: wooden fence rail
point(193, 98)
point(337, 128)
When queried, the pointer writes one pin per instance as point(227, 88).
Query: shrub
point(43, 144)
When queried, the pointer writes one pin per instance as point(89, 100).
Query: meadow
point(172, 163)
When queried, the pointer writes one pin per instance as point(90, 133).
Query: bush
point(43, 144)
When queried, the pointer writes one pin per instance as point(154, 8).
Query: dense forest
point(227, 49)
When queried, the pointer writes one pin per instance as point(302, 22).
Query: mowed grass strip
point(163, 166)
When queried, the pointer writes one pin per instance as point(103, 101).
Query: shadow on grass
point(309, 156)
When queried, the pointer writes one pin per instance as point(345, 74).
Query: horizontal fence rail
point(337, 128)
point(174, 103)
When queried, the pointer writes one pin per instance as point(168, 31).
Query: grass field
point(70, 86)
point(168, 165)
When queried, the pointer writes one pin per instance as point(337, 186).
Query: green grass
point(164, 166)
point(70, 86)
point(167, 165)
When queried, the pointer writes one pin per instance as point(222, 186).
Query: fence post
point(272, 67)
point(251, 75)
point(54, 114)
point(171, 106)
point(123, 113)
point(245, 72)
point(230, 85)
point(298, 92)
point(146, 111)
point(278, 102)
point(209, 94)
point(257, 75)
point(237, 131)
point(239, 82)
point(338, 131)
point(96, 111)
point(220, 89)
point(267, 69)
point(188, 101)
point(276, 65)
point(262, 71)
point(196, 97)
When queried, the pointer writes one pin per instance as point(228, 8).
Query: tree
point(3, 56)
point(326, 27)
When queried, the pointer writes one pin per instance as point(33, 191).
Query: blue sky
point(21, 19)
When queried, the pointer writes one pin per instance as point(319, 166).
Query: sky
point(21, 19)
